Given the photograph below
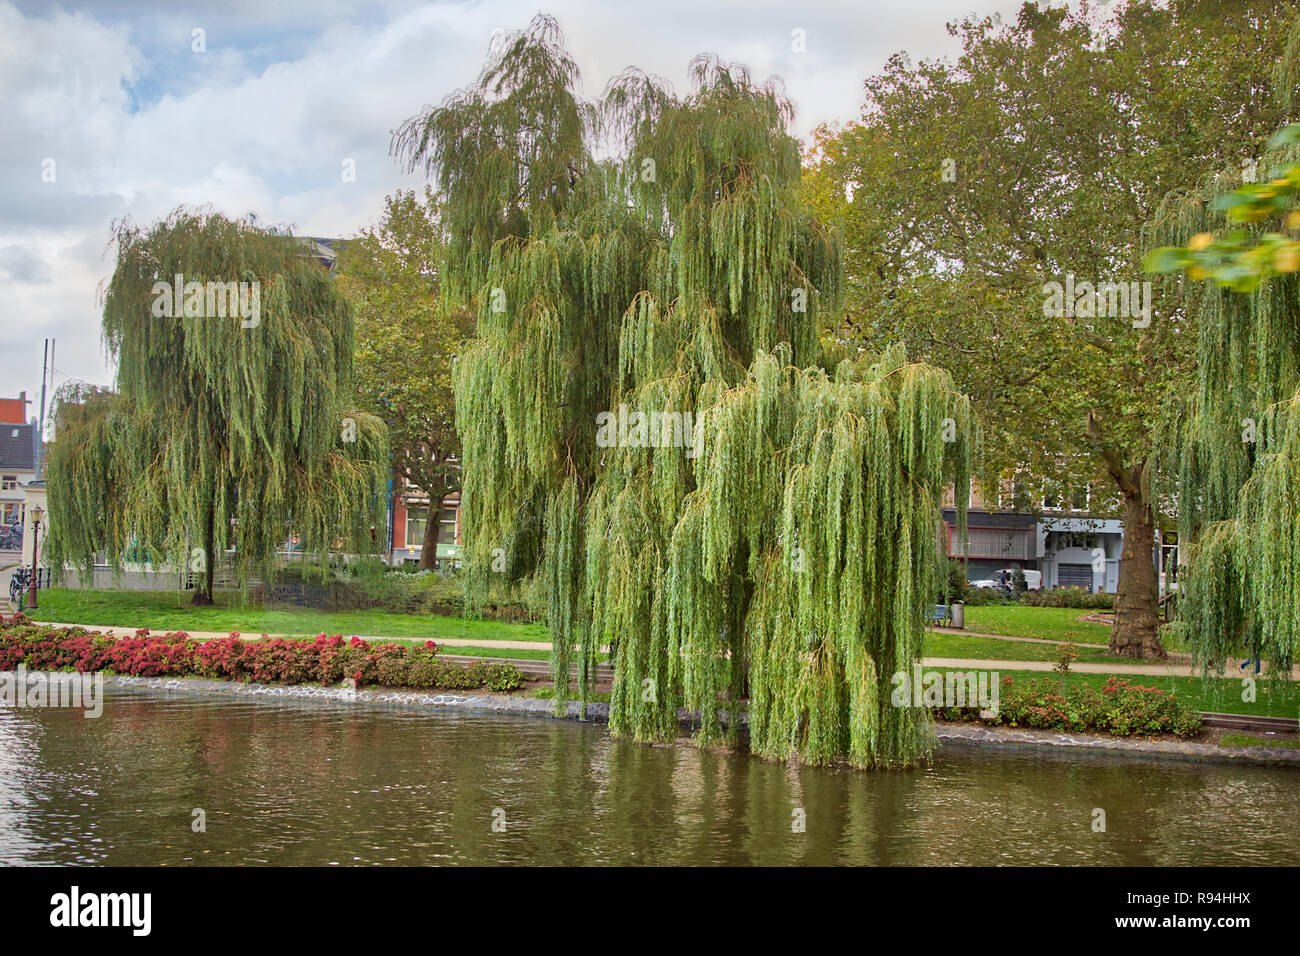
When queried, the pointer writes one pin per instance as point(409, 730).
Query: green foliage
point(1038, 152)
point(957, 586)
point(1066, 655)
point(982, 597)
point(1119, 707)
point(781, 547)
point(407, 336)
point(1232, 458)
point(1075, 597)
point(220, 436)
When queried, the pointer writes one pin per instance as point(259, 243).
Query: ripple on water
point(287, 781)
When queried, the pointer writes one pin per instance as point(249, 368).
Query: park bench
point(941, 614)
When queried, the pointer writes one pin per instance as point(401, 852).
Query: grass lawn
point(1217, 695)
point(1250, 740)
point(1052, 623)
point(516, 653)
point(988, 648)
point(171, 611)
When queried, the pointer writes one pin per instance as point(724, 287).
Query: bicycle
point(18, 583)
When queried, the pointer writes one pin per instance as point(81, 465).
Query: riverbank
point(949, 734)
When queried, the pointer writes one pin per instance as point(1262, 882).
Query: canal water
point(307, 783)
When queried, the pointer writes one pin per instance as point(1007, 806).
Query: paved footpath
point(1172, 668)
point(1179, 666)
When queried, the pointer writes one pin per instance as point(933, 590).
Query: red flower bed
point(324, 660)
point(1119, 707)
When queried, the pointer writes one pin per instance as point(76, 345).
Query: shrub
point(370, 583)
point(1066, 655)
point(982, 597)
point(325, 660)
point(956, 586)
point(1119, 707)
point(503, 677)
point(1071, 597)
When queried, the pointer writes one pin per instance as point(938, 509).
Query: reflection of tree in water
point(550, 783)
point(660, 799)
point(296, 783)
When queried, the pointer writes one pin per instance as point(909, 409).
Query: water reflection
point(293, 783)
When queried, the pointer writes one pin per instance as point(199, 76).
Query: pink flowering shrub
point(323, 660)
point(1119, 707)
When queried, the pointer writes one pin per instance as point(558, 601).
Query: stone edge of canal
point(954, 734)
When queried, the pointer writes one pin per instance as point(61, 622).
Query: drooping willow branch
point(765, 534)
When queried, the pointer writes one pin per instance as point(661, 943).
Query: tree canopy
point(232, 424)
point(762, 521)
point(1041, 153)
point(407, 337)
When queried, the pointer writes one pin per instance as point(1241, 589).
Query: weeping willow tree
point(653, 424)
point(1231, 450)
point(228, 427)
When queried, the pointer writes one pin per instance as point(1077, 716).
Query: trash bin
point(959, 614)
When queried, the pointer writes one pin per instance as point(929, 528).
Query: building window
point(8, 482)
point(1080, 498)
point(12, 514)
point(1169, 557)
point(447, 526)
point(994, 543)
point(415, 521)
point(1014, 493)
point(1051, 495)
point(1075, 539)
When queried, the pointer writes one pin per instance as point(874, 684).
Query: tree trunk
point(203, 590)
point(429, 547)
point(1136, 629)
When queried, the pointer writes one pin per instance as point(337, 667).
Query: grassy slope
point(171, 611)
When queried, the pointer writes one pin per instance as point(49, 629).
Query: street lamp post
point(37, 514)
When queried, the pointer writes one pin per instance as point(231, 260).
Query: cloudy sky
point(111, 110)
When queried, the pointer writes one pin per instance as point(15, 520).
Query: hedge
point(324, 660)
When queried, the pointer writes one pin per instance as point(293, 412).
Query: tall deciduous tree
point(408, 336)
point(653, 424)
point(232, 424)
point(1042, 152)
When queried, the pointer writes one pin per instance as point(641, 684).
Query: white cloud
point(137, 123)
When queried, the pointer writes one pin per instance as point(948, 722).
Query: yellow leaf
point(1201, 240)
point(1287, 258)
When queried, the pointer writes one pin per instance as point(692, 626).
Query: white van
point(1033, 579)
